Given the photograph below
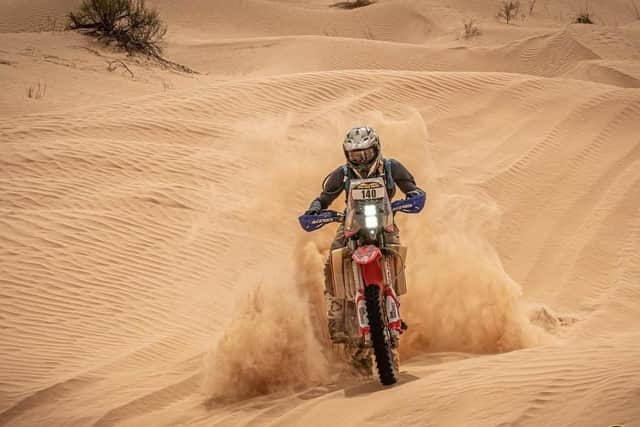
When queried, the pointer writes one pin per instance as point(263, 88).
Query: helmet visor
point(362, 157)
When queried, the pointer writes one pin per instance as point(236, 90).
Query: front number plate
point(368, 194)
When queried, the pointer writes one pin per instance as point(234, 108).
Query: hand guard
point(412, 204)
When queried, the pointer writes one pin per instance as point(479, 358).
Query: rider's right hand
point(312, 211)
point(314, 208)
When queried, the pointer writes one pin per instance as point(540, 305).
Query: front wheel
point(387, 369)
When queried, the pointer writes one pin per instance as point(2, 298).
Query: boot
point(335, 316)
point(361, 361)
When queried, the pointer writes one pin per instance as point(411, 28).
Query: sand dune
point(152, 271)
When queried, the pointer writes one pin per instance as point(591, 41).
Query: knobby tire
point(381, 346)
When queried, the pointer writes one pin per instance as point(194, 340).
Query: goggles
point(362, 157)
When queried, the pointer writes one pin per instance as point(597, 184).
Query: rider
point(364, 160)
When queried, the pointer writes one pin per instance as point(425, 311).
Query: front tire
point(383, 352)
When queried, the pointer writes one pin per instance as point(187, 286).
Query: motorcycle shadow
point(374, 386)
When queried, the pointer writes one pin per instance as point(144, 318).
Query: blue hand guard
point(411, 205)
point(315, 222)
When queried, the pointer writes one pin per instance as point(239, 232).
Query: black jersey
point(337, 181)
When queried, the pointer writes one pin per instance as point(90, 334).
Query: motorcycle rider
point(364, 159)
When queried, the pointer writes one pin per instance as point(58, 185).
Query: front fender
point(368, 258)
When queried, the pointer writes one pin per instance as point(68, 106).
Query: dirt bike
point(368, 274)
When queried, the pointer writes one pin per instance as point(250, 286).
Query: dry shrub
point(114, 65)
point(471, 29)
point(584, 17)
point(509, 10)
point(352, 4)
point(37, 92)
point(129, 23)
point(636, 9)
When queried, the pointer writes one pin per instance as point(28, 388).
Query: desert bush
point(362, 3)
point(37, 92)
point(353, 4)
point(584, 17)
point(636, 9)
point(128, 23)
point(509, 10)
point(470, 29)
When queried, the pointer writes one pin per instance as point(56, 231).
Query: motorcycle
point(368, 274)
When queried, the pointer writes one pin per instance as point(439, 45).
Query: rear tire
point(382, 350)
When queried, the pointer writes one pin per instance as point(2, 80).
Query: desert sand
point(152, 271)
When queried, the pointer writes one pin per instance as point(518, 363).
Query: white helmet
point(362, 150)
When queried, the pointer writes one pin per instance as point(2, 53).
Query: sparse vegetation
point(636, 9)
point(471, 29)
point(114, 65)
point(37, 92)
point(584, 17)
point(353, 4)
point(129, 24)
point(53, 24)
point(368, 34)
point(509, 10)
point(166, 86)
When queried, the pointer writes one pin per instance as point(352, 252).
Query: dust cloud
point(269, 346)
point(277, 338)
point(459, 297)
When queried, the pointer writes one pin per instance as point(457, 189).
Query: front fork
point(391, 313)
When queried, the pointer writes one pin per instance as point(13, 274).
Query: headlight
point(370, 216)
point(370, 210)
point(371, 222)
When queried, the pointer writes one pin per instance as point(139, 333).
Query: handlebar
point(315, 222)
